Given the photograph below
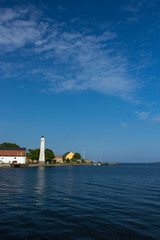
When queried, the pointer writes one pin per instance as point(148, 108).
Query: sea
point(81, 202)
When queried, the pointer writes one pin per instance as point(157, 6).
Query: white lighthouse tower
point(42, 151)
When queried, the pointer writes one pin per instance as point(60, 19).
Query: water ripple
point(84, 202)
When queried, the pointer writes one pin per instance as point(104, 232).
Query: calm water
point(81, 202)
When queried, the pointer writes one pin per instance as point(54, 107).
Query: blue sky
point(85, 74)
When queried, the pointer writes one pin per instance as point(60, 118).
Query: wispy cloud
point(76, 60)
point(151, 116)
point(133, 8)
point(19, 27)
point(125, 125)
point(61, 8)
point(88, 63)
point(142, 115)
point(156, 118)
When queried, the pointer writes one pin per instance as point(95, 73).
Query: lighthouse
point(42, 151)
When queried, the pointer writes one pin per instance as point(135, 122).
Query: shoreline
point(8, 165)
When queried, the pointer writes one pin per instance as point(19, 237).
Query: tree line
point(33, 154)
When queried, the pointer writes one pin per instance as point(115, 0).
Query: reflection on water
point(80, 202)
point(40, 186)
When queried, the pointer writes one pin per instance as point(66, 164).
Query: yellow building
point(68, 155)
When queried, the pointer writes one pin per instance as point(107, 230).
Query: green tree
point(83, 161)
point(77, 155)
point(49, 155)
point(68, 160)
point(74, 160)
point(33, 154)
point(9, 145)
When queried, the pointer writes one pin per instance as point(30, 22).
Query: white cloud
point(61, 8)
point(142, 115)
point(124, 124)
point(76, 60)
point(92, 63)
point(135, 6)
point(18, 27)
point(156, 118)
point(134, 10)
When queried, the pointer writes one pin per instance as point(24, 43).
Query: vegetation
point(49, 155)
point(9, 145)
point(74, 160)
point(33, 154)
point(68, 160)
point(77, 156)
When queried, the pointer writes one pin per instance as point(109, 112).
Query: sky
point(85, 74)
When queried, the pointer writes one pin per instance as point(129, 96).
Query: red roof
point(17, 152)
point(58, 156)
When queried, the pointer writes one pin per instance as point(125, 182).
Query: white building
point(13, 155)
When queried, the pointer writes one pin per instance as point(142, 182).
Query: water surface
point(81, 202)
